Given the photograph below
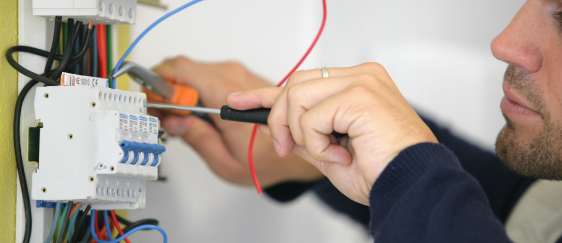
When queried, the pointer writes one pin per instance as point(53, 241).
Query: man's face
point(531, 141)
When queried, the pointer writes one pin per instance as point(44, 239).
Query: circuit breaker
point(91, 11)
point(93, 144)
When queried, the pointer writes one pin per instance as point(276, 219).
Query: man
point(390, 159)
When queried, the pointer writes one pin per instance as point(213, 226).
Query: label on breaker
point(134, 123)
point(143, 124)
point(123, 122)
point(69, 79)
point(153, 126)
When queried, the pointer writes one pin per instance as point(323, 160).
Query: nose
point(519, 43)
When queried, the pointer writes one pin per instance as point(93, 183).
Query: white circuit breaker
point(95, 144)
point(91, 11)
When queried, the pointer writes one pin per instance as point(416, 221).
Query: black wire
point(25, 71)
point(19, 160)
point(55, 44)
point(139, 223)
point(80, 221)
point(32, 50)
point(67, 50)
point(65, 223)
point(123, 220)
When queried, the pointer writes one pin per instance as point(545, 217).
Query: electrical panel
point(91, 11)
point(93, 144)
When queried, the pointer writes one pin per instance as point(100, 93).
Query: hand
point(360, 101)
point(225, 148)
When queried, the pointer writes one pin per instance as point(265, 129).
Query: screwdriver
point(255, 116)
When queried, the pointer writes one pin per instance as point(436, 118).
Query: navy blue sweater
point(448, 192)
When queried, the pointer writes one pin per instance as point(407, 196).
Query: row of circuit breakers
point(93, 144)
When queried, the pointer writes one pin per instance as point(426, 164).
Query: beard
point(537, 157)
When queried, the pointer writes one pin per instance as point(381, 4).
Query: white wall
point(437, 51)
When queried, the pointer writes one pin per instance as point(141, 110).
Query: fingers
point(303, 96)
point(252, 99)
point(278, 119)
point(205, 139)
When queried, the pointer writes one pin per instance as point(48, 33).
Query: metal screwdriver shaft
point(183, 108)
point(256, 116)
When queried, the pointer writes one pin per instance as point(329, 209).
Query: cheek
point(552, 91)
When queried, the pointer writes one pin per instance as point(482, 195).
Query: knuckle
point(181, 59)
point(374, 66)
point(295, 77)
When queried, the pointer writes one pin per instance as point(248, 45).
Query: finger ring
point(325, 72)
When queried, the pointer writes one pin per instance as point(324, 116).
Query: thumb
point(207, 141)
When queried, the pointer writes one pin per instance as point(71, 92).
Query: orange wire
point(76, 207)
point(253, 138)
point(116, 223)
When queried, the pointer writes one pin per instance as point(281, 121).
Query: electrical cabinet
point(93, 144)
point(91, 11)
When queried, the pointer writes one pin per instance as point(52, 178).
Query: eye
point(558, 17)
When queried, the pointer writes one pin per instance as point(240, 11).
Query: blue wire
point(93, 231)
point(55, 220)
point(120, 62)
point(107, 225)
point(60, 222)
point(71, 225)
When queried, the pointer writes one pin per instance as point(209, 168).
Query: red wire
point(102, 50)
point(253, 138)
point(96, 225)
point(116, 223)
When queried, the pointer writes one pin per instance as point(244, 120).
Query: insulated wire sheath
point(106, 221)
point(164, 235)
point(80, 221)
point(109, 54)
point(122, 59)
point(63, 215)
point(55, 220)
point(116, 223)
point(254, 131)
point(71, 225)
point(65, 224)
point(54, 44)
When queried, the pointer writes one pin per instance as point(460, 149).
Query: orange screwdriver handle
point(184, 95)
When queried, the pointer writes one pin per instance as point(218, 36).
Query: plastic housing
point(91, 11)
point(81, 155)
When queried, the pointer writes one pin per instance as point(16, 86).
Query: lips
point(513, 105)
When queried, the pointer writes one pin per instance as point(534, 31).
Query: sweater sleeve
point(424, 195)
point(502, 187)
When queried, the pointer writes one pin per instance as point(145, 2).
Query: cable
point(63, 215)
point(107, 225)
point(55, 220)
point(67, 50)
point(95, 63)
point(80, 221)
point(139, 223)
point(254, 131)
point(102, 51)
point(55, 44)
point(65, 224)
point(109, 54)
point(19, 160)
point(122, 59)
point(74, 215)
point(116, 223)
point(128, 233)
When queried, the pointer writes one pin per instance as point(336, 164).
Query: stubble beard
point(538, 157)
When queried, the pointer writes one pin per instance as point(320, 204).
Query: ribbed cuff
point(402, 173)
